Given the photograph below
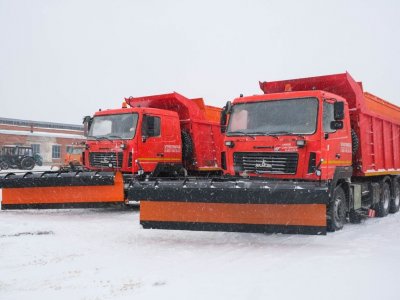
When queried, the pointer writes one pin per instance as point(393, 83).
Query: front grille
point(266, 162)
point(104, 159)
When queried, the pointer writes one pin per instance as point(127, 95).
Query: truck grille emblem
point(264, 165)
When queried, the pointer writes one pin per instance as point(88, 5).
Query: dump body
point(378, 128)
point(200, 121)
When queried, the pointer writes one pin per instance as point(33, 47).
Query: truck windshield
point(75, 151)
point(112, 127)
point(277, 117)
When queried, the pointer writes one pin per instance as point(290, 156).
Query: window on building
point(69, 149)
point(36, 148)
point(56, 151)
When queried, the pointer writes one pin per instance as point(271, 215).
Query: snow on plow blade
point(61, 190)
point(243, 206)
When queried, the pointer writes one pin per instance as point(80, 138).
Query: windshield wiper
point(267, 134)
point(242, 133)
point(115, 136)
point(252, 134)
point(98, 138)
point(263, 133)
point(275, 133)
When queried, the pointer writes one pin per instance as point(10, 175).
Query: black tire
point(27, 163)
point(382, 208)
point(187, 147)
point(395, 199)
point(337, 210)
point(355, 143)
point(38, 159)
point(4, 165)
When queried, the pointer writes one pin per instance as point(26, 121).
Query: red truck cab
point(289, 135)
point(115, 136)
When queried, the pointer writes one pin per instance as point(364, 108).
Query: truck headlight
point(300, 143)
point(229, 144)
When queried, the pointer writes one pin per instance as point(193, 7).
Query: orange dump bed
point(199, 120)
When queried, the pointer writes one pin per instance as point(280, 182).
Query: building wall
point(44, 137)
point(38, 129)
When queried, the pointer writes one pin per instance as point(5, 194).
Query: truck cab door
point(151, 145)
point(336, 143)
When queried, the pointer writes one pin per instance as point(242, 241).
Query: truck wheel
point(27, 163)
point(337, 210)
point(4, 165)
point(38, 159)
point(395, 200)
point(187, 147)
point(382, 209)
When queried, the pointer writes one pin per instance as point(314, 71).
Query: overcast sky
point(61, 60)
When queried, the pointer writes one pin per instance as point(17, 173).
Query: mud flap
point(61, 190)
point(242, 205)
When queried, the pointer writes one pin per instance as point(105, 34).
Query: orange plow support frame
point(85, 195)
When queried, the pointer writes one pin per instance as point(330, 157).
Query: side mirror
point(223, 120)
point(336, 125)
point(338, 110)
point(224, 115)
point(87, 122)
point(145, 135)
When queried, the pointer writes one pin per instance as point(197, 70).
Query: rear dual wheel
point(382, 208)
point(395, 199)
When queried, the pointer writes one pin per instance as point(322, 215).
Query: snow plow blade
point(61, 190)
point(232, 205)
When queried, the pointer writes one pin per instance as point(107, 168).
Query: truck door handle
point(338, 155)
point(160, 154)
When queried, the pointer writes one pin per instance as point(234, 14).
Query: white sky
point(61, 60)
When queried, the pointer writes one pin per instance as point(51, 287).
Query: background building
point(50, 140)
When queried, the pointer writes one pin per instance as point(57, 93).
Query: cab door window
point(151, 126)
point(328, 117)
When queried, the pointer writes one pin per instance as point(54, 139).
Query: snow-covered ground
point(105, 254)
